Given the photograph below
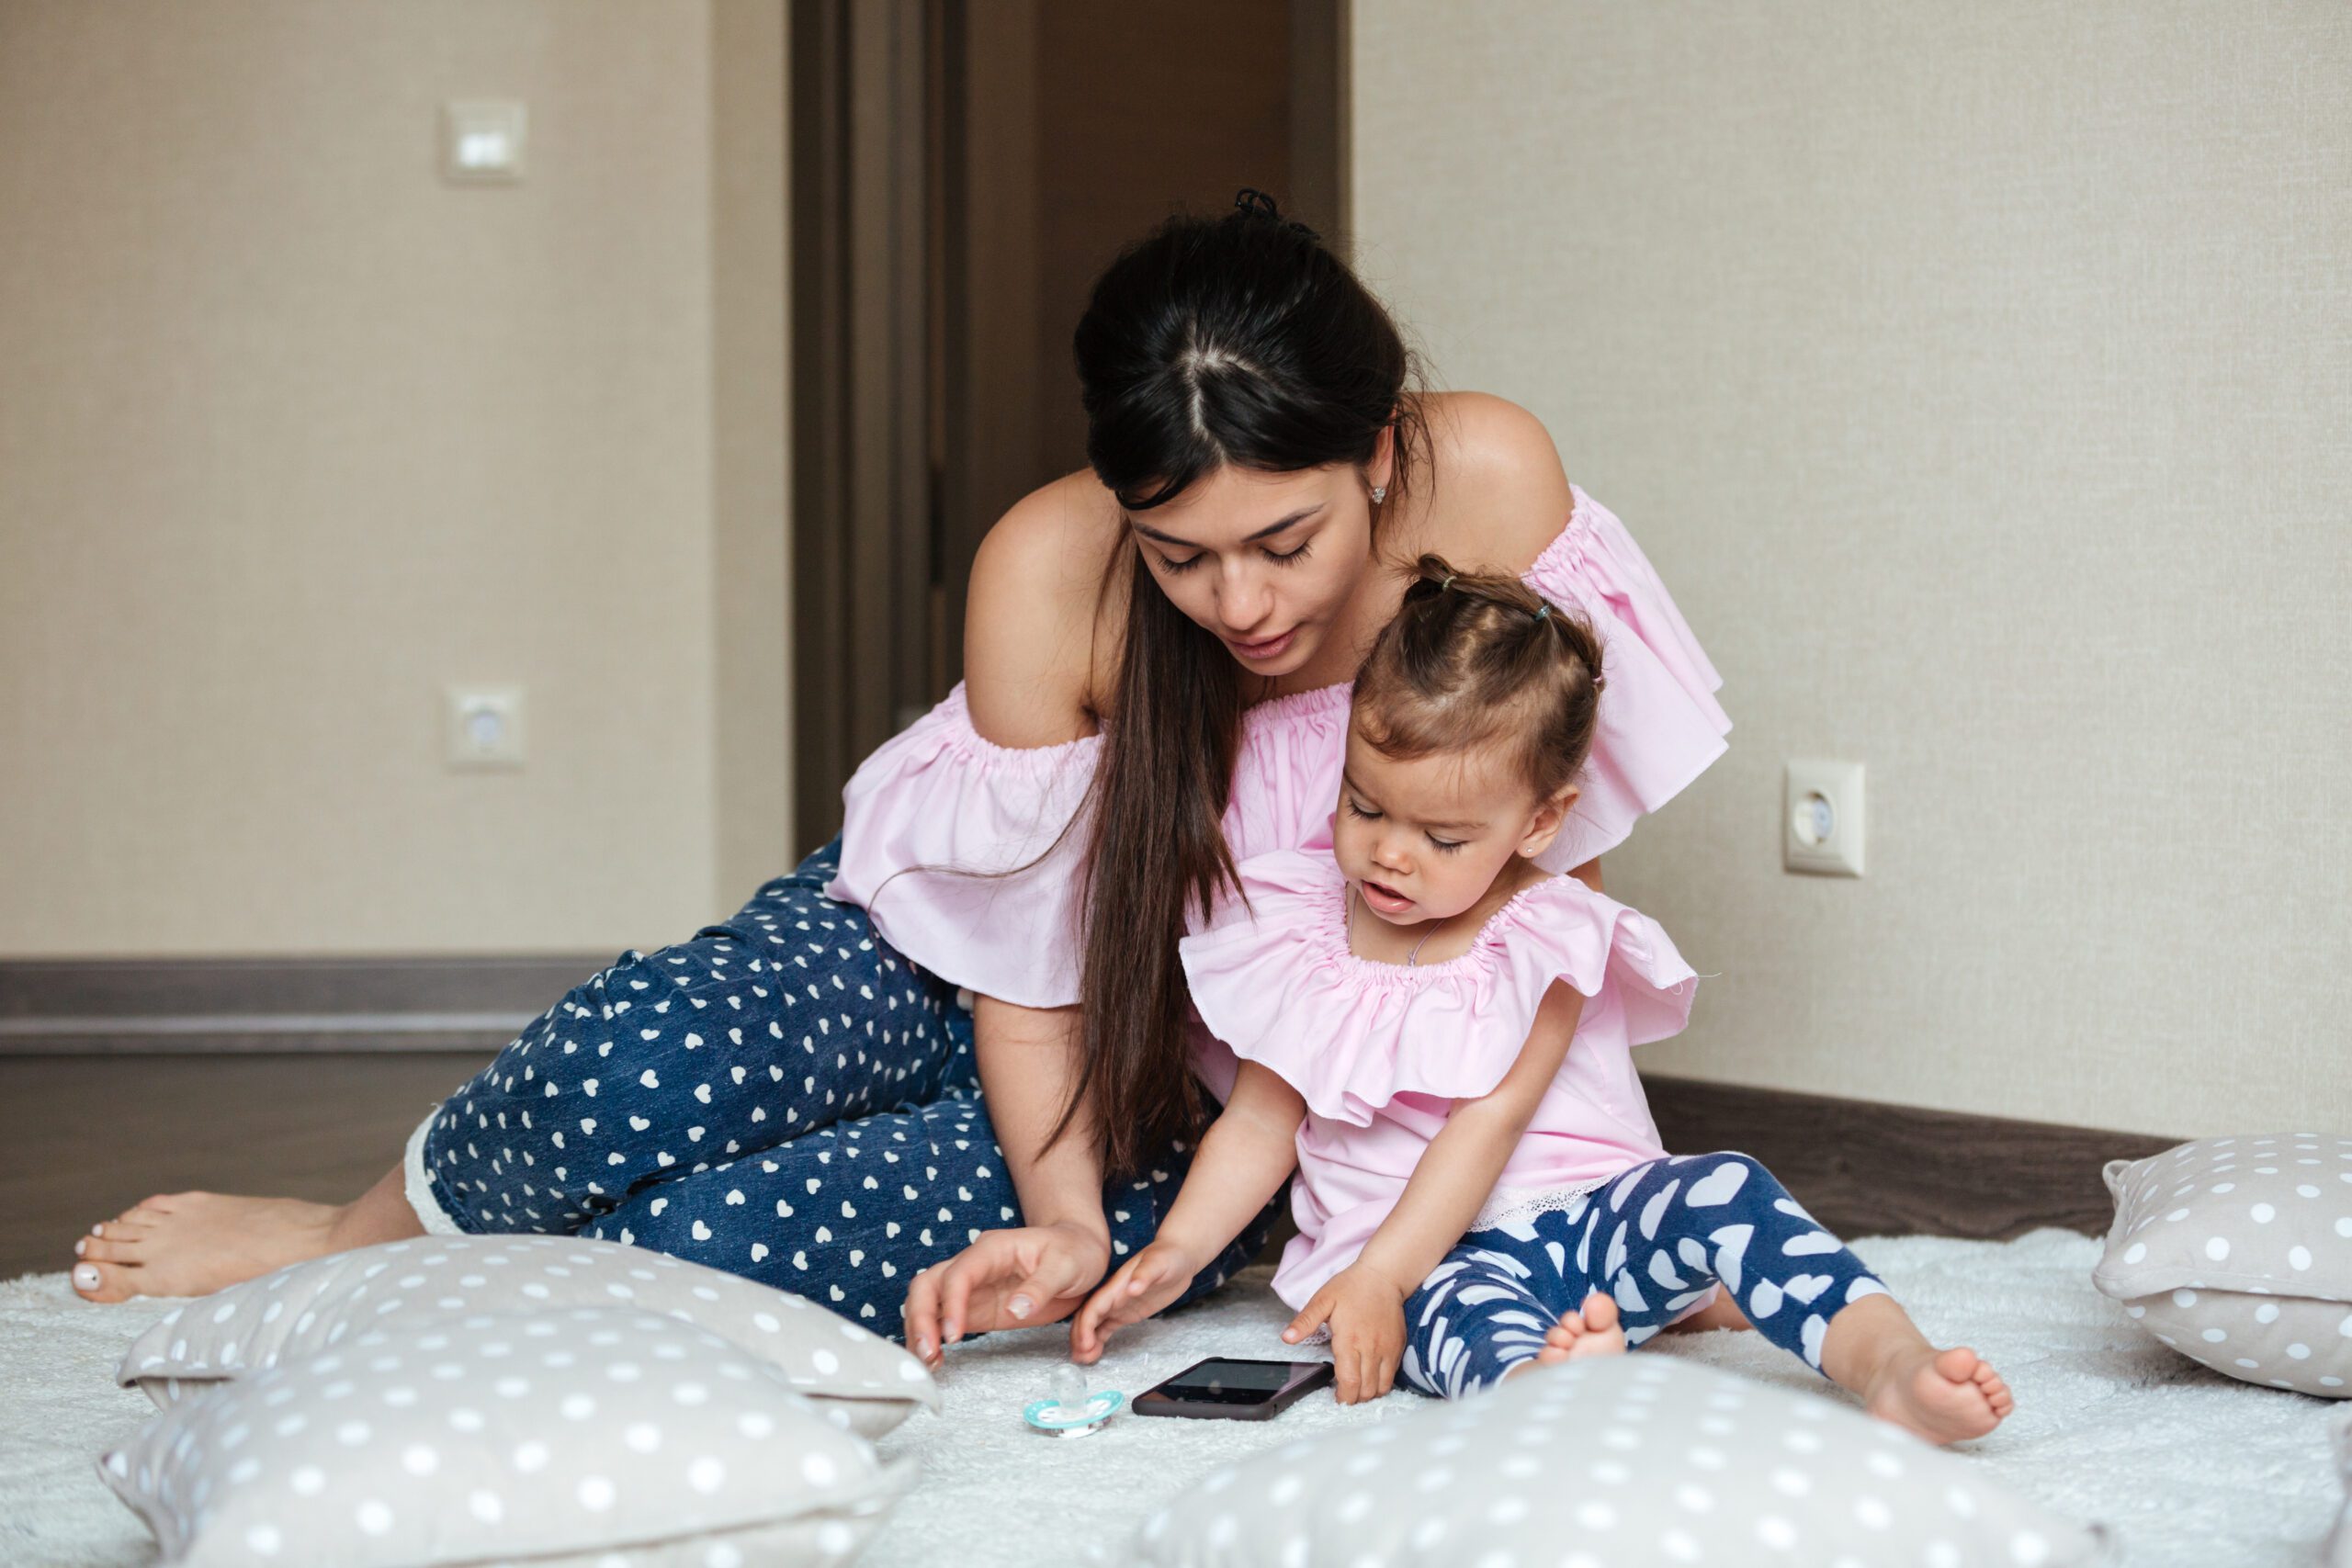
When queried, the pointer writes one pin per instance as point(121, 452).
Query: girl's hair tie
point(1543, 612)
point(1447, 583)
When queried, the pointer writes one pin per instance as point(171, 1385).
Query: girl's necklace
point(1412, 959)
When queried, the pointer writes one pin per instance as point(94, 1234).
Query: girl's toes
point(1599, 1313)
point(1959, 1364)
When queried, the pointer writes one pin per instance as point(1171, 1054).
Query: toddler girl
point(1437, 1034)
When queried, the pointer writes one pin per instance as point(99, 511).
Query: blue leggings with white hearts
point(1655, 1238)
point(782, 1096)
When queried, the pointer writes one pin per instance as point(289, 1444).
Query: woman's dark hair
point(1474, 659)
point(1236, 341)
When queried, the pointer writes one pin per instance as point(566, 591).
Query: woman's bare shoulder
point(1033, 640)
point(1500, 495)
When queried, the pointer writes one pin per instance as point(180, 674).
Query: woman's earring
point(1379, 494)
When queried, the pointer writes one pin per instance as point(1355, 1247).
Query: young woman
point(1155, 685)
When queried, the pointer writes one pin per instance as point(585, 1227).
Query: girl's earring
point(1379, 494)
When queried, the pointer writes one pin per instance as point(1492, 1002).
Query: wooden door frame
point(914, 223)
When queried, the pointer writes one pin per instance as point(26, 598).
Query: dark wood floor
point(82, 1139)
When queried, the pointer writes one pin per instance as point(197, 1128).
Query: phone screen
point(1217, 1382)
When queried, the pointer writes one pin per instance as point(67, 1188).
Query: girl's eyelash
point(1444, 846)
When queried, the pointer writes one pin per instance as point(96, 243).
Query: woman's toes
point(90, 1250)
point(99, 1284)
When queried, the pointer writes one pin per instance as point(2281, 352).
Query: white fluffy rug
point(2189, 1467)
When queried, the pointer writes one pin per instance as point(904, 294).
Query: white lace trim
point(1514, 1205)
point(418, 1188)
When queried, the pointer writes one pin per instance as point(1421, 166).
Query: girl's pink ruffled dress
point(938, 802)
point(1380, 1052)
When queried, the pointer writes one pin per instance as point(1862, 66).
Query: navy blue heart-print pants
point(1656, 1238)
point(782, 1096)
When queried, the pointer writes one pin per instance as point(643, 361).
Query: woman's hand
point(1366, 1312)
point(1009, 1278)
point(1144, 1284)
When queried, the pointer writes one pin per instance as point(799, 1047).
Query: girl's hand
point(1144, 1284)
point(1366, 1312)
point(1009, 1278)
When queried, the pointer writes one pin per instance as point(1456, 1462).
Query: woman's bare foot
point(1594, 1331)
point(1874, 1350)
point(1945, 1396)
point(192, 1244)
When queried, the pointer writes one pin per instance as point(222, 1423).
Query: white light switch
point(484, 726)
point(1821, 818)
point(482, 141)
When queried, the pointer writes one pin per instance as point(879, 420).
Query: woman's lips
point(1269, 648)
point(1387, 900)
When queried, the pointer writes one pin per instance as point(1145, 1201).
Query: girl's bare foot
point(1945, 1396)
point(192, 1244)
point(1593, 1331)
point(1874, 1350)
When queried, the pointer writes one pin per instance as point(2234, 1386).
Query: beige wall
point(1981, 378)
point(293, 434)
point(751, 471)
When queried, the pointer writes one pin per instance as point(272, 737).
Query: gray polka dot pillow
point(599, 1435)
point(869, 1384)
point(2237, 1252)
point(1623, 1461)
point(2339, 1544)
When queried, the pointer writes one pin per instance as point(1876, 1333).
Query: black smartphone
point(1225, 1390)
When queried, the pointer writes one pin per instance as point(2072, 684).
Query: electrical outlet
point(1821, 818)
point(485, 726)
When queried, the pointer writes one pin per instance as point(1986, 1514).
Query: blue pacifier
point(1069, 1411)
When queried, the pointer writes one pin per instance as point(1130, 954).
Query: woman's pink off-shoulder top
point(1380, 1052)
point(938, 807)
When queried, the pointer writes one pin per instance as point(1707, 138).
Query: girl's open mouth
point(1387, 900)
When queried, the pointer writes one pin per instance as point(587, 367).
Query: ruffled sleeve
point(1277, 982)
point(949, 844)
point(1660, 726)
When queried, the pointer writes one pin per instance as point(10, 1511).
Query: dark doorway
point(961, 171)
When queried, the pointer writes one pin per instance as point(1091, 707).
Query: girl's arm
point(1451, 1182)
point(1242, 1161)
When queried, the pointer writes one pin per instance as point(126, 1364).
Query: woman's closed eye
point(1280, 557)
